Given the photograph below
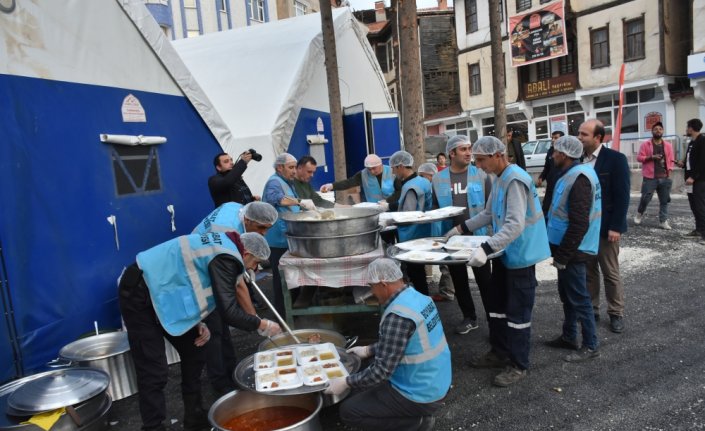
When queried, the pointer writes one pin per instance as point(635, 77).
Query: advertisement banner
point(538, 35)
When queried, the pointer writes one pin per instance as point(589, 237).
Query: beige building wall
point(210, 16)
point(613, 18)
point(483, 56)
point(698, 25)
point(287, 8)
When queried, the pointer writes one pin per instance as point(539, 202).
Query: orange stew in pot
point(267, 419)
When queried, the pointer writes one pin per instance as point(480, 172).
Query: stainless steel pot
point(334, 246)
point(93, 413)
point(239, 402)
point(284, 339)
point(348, 221)
point(109, 352)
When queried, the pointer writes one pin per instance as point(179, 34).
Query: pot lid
point(59, 389)
point(96, 347)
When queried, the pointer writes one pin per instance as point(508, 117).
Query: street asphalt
point(650, 377)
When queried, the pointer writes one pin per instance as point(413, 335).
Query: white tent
point(260, 79)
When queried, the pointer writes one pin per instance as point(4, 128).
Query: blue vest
point(276, 235)
point(558, 213)
point(475, 193)
point(424, 372)
point(371, 188)
point(424, 196)
point(225, 218)
point(176, 273)
point(531, 247)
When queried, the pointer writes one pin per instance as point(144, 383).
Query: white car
point(535, 153)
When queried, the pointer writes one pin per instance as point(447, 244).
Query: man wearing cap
point(464, 185)
point(280, 193)
point(656, 158)
point(254, 217)
point(376, 181)
point(514, 211)
point(573, 225)
point(615, 179)
point(410, 373)
point(166, 293)
point(416, 195)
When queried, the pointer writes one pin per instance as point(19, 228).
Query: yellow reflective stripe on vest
point(428, 352)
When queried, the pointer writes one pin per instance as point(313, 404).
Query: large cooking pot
point(240, 402)
point(109, 352)
point(285, 339)
point(92, 413)
point(334, 246)
point(347, 221)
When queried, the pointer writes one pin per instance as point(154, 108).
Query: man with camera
point(227, 185)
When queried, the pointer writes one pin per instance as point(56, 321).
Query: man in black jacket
point(549, 173)
point(575, 209)
point(227, 184)
point(695, 174)
point(613, 171)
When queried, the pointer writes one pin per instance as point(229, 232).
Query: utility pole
point(498, 90)
point(336, 111)
point(410, 77)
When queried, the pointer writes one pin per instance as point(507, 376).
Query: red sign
point(652, 118)
point(538, 35)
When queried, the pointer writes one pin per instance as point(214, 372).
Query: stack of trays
point(292, 367)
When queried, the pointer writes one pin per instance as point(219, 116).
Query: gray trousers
point(607, 262)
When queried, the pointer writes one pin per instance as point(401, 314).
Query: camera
point(255, 155)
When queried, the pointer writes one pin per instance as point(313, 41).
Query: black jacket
point(613, 171)
point(697, 159)
point(229, 186)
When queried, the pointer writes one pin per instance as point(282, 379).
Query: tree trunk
point(500, 111)
point(410, 82)
point(336, 111)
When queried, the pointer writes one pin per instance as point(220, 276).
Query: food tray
point(423, 244)
point(316, 353)
point(459, 257)
point(334, 369)
point(463, 242)
point(244, 374)
point(278, 379)
point(274, 359)
point(313, 375)
point(418, 217)
point(422, 256)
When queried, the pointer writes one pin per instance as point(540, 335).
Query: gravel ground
point(650, 377)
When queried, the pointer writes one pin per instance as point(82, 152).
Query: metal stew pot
point(240, 402)
point(334, 246)
point(347, 221)
point(91, 413)
point(109, 352)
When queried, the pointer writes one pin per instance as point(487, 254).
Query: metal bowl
point(284, 339)
point(334, 246)
point(348, 221)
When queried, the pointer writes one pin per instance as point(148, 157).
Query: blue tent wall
point(56, 191)
point(298, 146)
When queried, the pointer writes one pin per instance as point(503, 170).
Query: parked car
point(535, 153)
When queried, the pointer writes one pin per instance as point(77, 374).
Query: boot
point(195, 416)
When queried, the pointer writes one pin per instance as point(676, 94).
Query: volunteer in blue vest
point(573, 224)
point(253, 217)
point(464, 185)
point(376, 181)
point(416, 195)
point(280, 193)
point(410, 371)
point(514, 212)
point(167, 292)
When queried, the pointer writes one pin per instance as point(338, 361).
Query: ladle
point(252, 283)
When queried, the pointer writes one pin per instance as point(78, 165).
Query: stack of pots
point(352, 231)
point(81, 391)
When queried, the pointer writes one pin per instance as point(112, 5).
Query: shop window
point(600, 47)
point(629, 97)
point(136, 169)
point(556, 109)
point(470, 16)
point(540, 111)
point(634, 39)
point(541, 129)
point(650, 95)
point(574, 122)
point(573, 106)
point(630, 119)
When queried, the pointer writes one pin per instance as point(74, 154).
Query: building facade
point(547, 92)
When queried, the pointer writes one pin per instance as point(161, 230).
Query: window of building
point(135, 169)
point(637, 105)
point(543, 69)
point(299, 8)
point(523, 5)
point(191, 12)
point(475, 82)
point(566, 64)
point(256, 10)
point(470, 16)
point(600, 47)
point(190, 4)
point(545, 1)
point(564, 116)
point(634, 39)
point(222, 5)
point(381, 52)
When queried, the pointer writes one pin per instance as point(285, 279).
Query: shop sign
point(550, 87)
point(652, 118)
point(538, 35)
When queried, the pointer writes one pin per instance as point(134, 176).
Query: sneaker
point(617, 323)
point(702, 241)
point(466, 326)
point(637, 219)
point(582, 355)
point(561, 343)
point(427, 423)
point(489, 360)
point(509, 376)
point(597, 317)
point(664, 225)
point(692, 234)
